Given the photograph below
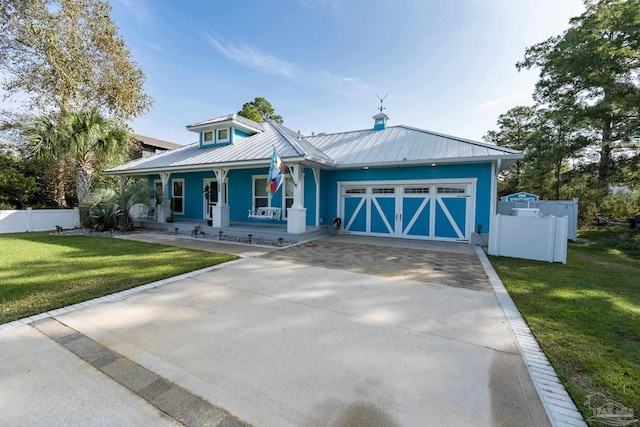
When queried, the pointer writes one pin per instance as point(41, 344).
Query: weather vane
point(381, 101)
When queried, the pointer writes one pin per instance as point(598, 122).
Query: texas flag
point(276, 173)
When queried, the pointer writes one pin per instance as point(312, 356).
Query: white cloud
point(140, 11)
point(507, 101)
point(154, 46)
point(253, 57)
point(340, 82)
point(488, 105)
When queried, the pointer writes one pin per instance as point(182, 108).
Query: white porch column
point(163, 209)
point(123, 182)
point(316, 178)
point(297, 214)
point(220, 212)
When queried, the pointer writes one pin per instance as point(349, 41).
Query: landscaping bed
point(586, 314)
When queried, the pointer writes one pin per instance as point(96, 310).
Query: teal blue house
point(389, 181)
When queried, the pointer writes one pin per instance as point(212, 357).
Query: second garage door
point(418, 210)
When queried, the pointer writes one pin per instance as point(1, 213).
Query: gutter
point(429, 162)
point(208, 167)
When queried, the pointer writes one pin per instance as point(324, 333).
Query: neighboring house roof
point(393, 146)
point(153, 142)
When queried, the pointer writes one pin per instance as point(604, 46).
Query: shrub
point(106, 209)
point(621, 206)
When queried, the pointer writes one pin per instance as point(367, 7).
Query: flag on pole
point(276, 173)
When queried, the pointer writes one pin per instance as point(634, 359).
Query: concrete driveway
point(335, 332)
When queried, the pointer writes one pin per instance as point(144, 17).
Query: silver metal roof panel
point(403, 144)
point(253, 150)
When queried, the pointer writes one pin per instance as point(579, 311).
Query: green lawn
point(586, 314)
point(40, 272)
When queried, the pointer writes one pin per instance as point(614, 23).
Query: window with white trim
point(383, 190)
point(222, 135)
point(260, 194)
point(177, 186)
point(416, 190)
point(355, 191)
point(207, 136)
point(452, 190)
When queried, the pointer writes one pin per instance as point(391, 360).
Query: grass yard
point(40, 272)
point(586, 314)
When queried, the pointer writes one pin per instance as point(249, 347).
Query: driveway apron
point(335, 332)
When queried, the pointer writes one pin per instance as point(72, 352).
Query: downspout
point(316, 177)
point(495, 170)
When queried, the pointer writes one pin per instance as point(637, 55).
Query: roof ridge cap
point(289, 139)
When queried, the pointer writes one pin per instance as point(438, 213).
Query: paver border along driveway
point(278, 341)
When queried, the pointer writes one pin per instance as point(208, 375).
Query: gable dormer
point(224, 130)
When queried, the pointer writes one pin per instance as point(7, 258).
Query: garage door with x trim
point(417, 210)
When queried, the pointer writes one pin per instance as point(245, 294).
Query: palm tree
point(94, 140)
point(47, 139)
point(82, 140)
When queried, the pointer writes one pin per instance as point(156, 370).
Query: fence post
point(76, 216)
point(551, 245)
point(29, 219)
point(495, 235)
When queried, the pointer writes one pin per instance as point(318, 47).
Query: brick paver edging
point(560, 408)
point(176, 402)
point(111, 297)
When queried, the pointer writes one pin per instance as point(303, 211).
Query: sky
point(447, 66)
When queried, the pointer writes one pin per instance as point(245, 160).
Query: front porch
point(242, 230)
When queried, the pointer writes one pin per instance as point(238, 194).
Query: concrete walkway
point(283, 340)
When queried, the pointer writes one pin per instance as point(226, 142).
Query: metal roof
point(393, 146)
point(404, 145)
point(255, 150)
point(235, 117)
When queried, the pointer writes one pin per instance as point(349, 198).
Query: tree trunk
point(558, 168)
point(59, 191)
point(83, 182)
point(604, 171)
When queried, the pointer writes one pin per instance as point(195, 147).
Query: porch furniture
point(265, 213)
point(146, 212)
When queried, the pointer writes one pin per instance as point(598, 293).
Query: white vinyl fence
point(560, 208)
point(16, 221)
point(529, 237)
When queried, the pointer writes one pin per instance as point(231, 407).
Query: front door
point(212, 200)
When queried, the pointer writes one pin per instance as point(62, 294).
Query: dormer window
point(222, 136)
point(224, 130)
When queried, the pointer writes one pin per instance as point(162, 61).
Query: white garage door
point(435, 210)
